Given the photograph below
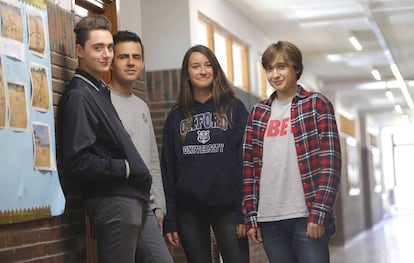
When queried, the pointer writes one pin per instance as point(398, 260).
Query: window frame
point(213, 27)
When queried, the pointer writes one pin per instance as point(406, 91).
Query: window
point(220, 50)
point(103, 7)
point(80, 11)
point(231, 52)
point(83, 7)
point(264, 89)
point(202, 33)
point(237, 62)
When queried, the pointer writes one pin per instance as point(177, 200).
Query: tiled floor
point(391, 241)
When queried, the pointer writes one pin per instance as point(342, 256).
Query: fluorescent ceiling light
point(315, 24)
point(392, 84)
point(396, 72)
point(354, 41)
point(375, 73)
point(398, 108)
point(389, 95)
point(334, 58)
point(402, 85)
point(411, 83)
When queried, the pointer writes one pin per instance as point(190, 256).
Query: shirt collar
point(88, 76)
point(301, 93)
point(98, 84)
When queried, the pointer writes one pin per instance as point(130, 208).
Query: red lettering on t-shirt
point(277, 127)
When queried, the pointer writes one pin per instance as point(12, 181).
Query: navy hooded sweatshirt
point(205, 170)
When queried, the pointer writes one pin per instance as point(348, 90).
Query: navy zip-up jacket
point(94, 145)
point(205, 170)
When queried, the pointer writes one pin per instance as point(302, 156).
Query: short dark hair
point(89, 23)
point(288, 51)
point(127, 36)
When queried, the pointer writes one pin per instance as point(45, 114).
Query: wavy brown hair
point(222, 90)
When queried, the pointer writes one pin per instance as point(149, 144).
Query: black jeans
point(194, 232)
point(152, 247)
point(117, 222)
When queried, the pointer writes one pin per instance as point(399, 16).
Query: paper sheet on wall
point(29, 181)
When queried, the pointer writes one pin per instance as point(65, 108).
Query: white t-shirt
point(281, 190)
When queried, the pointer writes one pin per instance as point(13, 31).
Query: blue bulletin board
point(29, 183)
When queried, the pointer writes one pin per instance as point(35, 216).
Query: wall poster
point(29, 182)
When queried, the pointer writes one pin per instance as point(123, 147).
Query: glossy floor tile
point(390, 241)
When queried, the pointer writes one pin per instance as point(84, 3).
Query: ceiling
point(321, 28)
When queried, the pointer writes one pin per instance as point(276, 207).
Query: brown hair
point(89, 23)
point(288, 51)
point(221, 88)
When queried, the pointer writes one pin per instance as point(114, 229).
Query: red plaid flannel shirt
point(318, 150)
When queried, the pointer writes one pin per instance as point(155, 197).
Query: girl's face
point(200, 71)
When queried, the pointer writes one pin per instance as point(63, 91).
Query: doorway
point(403, 167)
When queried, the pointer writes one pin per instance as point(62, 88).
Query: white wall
point(165, 32)
point(65, 4)
point(129, 16)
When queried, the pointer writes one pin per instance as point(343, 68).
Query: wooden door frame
point(106, 8)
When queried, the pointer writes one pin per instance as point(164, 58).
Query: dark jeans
point(286, 241)
point(117, 223)
point(194, 231)
point(152, 247)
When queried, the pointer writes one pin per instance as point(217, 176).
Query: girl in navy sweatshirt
point(202, 162)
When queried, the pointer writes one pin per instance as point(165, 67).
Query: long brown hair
point(221, 88)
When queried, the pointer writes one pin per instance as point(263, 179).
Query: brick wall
point(63, 238)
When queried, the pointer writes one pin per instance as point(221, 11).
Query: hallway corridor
point(388, 242)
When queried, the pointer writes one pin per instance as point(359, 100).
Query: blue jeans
point(286, 241)
point(194, 232)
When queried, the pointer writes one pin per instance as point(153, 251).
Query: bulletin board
point(29, 183)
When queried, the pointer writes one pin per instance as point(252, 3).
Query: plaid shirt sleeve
point(249, 202)
point(319, 155)
point(252, 161)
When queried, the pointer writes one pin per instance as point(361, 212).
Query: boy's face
point(96, 55)
point(281, 75)
point(128, 61)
